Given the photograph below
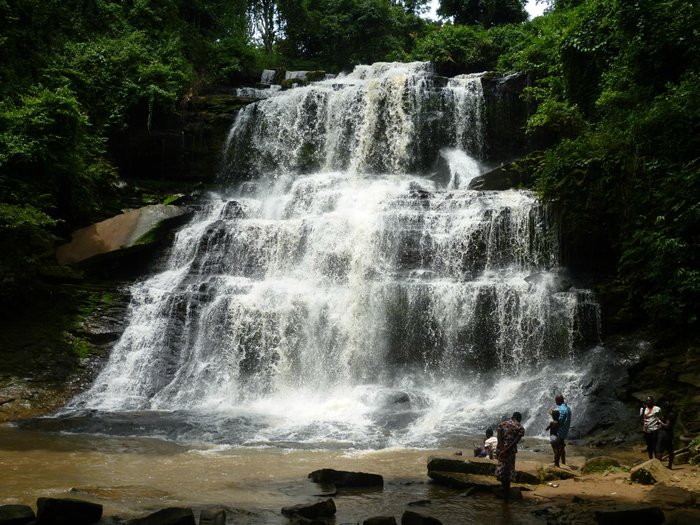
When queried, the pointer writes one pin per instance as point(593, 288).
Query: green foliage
point(338, 34)
point(484, 12)
point(618, 93)
point(695, 451)
point(456, 48)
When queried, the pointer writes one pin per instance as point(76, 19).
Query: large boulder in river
point(66, 511)
point(319, 510)
point(341, 478)
point(478, 474)
point(169, 516)
point(471, 466)
point(129, 231)
point(414, 518)
point(16, 514)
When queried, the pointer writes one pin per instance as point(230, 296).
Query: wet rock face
point(16, 514)
point(506, 115)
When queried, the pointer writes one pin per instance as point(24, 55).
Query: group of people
point(504, 446)
point(658, 426)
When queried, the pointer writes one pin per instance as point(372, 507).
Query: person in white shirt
point(489, 446)
point(651, 423)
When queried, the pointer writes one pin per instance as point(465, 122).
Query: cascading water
point(346, 294)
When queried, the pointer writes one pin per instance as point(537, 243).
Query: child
point(489, 446)
point(553, 428)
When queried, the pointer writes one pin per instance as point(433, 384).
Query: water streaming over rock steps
point(347, 293)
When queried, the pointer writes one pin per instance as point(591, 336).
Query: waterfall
point(337, 292)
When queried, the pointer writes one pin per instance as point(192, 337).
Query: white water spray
point(340, 297)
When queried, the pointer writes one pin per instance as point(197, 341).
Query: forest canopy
point(614, 86)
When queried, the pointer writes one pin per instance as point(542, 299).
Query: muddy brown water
point(134, 476)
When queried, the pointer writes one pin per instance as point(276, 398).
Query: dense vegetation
point(614, 87)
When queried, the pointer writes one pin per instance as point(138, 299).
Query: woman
point(509, 433)
point(649, 414)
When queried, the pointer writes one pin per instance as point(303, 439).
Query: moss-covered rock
point(600, 464)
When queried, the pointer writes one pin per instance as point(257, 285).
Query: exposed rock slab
point(468, 466)
point(477, 471)
point(121, 232)
point(650, 472)
point(460, 480)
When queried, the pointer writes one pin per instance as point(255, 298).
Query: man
point(564, 424)
point(509, 433)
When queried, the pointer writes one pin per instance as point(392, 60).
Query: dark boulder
point(54, 511)
point(480, 467)
point(503, 177)
point(380, 520)
point(460, 480)
point(341, 478)
point(413, 518)
point(212, 517)
point(16, 514)
point(321, 509)
point(649, 472)
point(169, 516)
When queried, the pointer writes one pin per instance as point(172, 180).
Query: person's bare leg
point(506, 490)
point(563, 454)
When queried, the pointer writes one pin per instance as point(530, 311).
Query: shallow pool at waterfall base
point(132, 477)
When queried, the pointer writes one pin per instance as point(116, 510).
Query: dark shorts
point(558, 443)
point(664, 441)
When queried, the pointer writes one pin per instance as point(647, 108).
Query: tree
point(265, 14)
point(336, 34)
point(414, 7)
point(485, 12)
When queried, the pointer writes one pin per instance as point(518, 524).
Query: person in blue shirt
point(564, 424)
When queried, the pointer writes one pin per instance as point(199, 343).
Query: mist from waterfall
point(346, 289)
